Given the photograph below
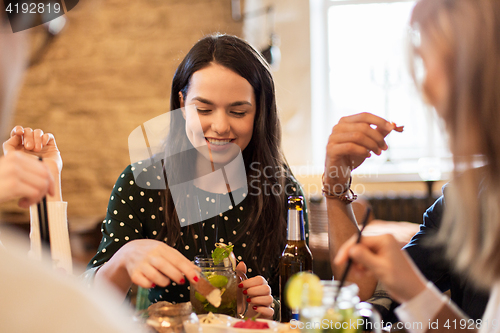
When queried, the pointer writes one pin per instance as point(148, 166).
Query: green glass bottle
point(296, 256)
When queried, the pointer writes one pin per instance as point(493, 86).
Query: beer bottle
point(296, 256)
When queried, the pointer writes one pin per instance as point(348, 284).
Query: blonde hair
point(467, 35)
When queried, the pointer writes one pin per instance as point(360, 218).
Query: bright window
point(365, 54)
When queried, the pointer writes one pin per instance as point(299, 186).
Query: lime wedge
point(218, 281)
point(200, 297)
point(304, 289)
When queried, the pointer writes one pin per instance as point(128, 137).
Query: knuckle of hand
point(135, 277)
point(357, 136)
point(12, 185)
point(350, 146)
point(365, 127)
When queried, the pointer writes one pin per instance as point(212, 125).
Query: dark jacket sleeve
point(429, 257)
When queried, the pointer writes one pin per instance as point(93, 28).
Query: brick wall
point(109, 71)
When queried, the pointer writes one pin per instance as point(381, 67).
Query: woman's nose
point(220, 123)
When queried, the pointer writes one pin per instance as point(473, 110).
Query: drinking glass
point(347, 314)
point(222, 276)
point(164, 317)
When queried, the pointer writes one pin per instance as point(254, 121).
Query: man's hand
point(352, 141)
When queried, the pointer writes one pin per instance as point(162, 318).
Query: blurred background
point(110, 69)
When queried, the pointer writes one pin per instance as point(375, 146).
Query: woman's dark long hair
point(266, 220)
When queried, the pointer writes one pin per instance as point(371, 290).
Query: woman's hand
point(351, 142)
point(148, 263)
point(36, 143)
point(381, 257)
point(258, 294)
point(22, 176)
point(25, 179)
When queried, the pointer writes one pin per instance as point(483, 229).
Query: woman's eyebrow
point(206, 101)
point(240, 103)
point(202, 100)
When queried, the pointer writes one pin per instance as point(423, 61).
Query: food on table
point(206, 291)
point(211, 319)
point(397, 128)
point(251, 323)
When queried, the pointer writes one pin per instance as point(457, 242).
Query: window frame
point(321, 104)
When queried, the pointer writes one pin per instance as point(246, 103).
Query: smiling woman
point(226, 93)
point(226, 117)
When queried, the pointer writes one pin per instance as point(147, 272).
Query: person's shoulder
point(146, 174)
point(139, 180)
point(288, 174)
point(292, 185)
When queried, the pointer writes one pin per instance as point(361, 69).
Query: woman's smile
point(220, 111)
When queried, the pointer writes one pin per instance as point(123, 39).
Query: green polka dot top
point(137, 213)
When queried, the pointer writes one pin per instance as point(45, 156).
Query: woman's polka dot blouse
point(137, 213)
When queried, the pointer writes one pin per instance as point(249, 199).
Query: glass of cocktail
point(344, 313)
point(223, 277)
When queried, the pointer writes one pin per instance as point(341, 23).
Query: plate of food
point(223, 323)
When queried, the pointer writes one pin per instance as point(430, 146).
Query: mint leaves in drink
point(223, 251)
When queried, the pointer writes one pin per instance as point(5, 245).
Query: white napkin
point(59, 235)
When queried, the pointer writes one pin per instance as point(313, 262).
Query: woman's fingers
point(265, 312)
point(37, 176)
point(261, 300)
point(164, 268)
point(383, 125)
point(363, 131)
point(255, 281)
point(17, 131)
point(37, 140)
point(15, 141)
point(373, 244)
point(242, 267)
point(183, 267)
point(347, 149)
point(258, 295)
point(141, 280)
point(33, 139)
point(258, 291)
point(48, 140)
point(28, 141)
point(155, 275)
point(381, 257)
point(369, 260)
point(353, 140)
point(158, 263)
point(25, 178)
